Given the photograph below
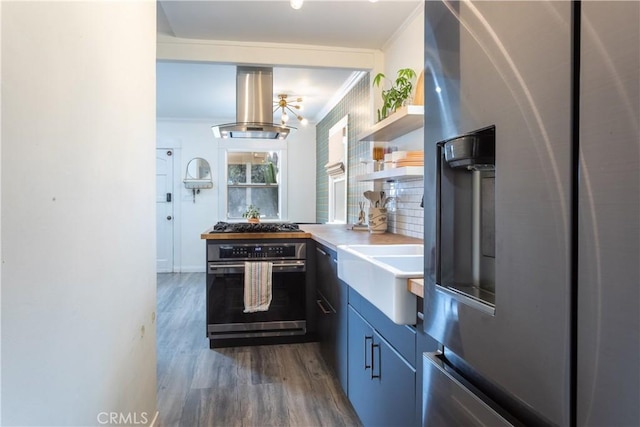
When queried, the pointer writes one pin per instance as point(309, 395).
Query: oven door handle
point(296, 265)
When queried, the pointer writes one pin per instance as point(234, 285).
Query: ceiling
point(199, 90)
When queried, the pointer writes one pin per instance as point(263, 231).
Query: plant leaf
point(378, 79)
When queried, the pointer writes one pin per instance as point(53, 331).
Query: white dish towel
point(257, 286)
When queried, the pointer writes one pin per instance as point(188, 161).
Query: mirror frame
point(193, 183)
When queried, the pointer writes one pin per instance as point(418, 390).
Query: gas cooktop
point(261, 227)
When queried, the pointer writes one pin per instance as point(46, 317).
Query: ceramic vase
point(377, 220)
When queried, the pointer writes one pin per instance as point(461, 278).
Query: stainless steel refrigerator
point(532, 213)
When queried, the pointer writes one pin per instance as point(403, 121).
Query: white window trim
point(342, 127)
point(333, 180)
point(249, 145)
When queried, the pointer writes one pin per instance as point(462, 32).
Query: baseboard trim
point(191, 269)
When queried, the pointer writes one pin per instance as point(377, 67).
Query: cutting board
point(418, 92)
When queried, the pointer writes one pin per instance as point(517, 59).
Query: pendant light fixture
point(296, 4)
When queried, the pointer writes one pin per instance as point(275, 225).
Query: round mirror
point(198, 168)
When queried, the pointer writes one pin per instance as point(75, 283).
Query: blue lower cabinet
point(360, 388)
point(382, 383)
point(331, 299)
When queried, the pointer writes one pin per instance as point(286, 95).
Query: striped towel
point(257, 286)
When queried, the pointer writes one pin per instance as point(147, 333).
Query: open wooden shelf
point(395, 174)
point(403, 121)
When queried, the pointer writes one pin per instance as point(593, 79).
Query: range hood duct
point(254, 107)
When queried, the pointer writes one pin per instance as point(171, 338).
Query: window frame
point(237, 146)
point(342, 128)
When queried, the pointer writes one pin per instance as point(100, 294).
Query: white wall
point(191, 139)
point(78, 235)
point(406, 47)
point(406, 50)
point(0, 218)
point(302, 174)
point(195, 139)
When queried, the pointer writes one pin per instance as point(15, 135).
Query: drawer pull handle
point(322, 307)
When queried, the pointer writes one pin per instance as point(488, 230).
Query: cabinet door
point(326, 329)
point(359, 368)
point(326, 313)
point(332, 313)
point(326, 275)
point(381, 382)
point(394, 385)
point(341, 333)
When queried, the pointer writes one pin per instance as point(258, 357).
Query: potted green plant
point(398, 94)
point(252, 214)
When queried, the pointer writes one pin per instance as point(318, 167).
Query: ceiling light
point(284, 105)
point(296, 4)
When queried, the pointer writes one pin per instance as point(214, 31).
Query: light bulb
point(303, 120)
point(285, 117)
point(296, 4)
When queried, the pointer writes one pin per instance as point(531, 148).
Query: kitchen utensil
point(371, 197)
point(386, 201)
point(361, 215)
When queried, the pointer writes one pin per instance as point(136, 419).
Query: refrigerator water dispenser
point(466, 206)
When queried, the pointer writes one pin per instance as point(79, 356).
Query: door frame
point(175, 192)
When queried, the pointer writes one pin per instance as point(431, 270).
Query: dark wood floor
point(277, 385)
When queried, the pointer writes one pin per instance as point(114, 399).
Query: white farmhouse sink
point(386, 250)
point(379, 273)
point(410, 265)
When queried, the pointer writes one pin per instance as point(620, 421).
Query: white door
point(164, 211)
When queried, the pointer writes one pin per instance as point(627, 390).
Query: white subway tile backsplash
point(405, 215)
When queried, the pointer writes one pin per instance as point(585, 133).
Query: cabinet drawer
point(327, 273)
point(401, 337)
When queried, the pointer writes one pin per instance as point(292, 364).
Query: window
point(253, 179)
point(337, 197)
point(336, 170)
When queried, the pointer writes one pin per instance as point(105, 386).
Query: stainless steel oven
point(287, 313)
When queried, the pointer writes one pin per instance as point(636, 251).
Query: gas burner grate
point(261, 227)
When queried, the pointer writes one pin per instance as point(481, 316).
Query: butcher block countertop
point(236, 236)
point(416, 287)
point(330, 235)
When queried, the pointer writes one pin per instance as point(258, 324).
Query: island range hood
point(254, 107)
